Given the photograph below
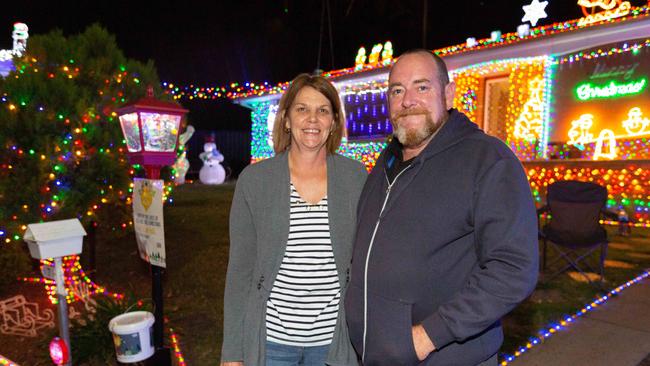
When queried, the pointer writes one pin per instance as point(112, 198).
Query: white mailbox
point(55, 238)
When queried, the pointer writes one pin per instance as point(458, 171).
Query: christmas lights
point(568, 320)
point(74, 147)
point(246, 90)
point(534, 12)
point(636, 124)
point(628, 185)
point(528, 125)
point(7, 362)
point(609, 11)
point(612, 89)
point(176, 347)
point(579, 132)
point(74, 278)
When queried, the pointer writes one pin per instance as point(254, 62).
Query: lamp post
point(150, 127)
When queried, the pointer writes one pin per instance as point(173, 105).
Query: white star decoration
point(534, 12)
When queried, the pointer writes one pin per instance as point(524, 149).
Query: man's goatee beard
point(415, 137)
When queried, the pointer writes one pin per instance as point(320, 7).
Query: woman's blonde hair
point(282, 137)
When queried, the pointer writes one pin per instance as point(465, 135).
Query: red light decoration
point(59, 352)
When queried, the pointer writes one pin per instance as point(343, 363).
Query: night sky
point(218, 42)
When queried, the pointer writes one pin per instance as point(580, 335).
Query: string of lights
point(77, 283)
point(627, 186)
point(7, 362)
point(251, 89)
point(176, 347)
point(73, 147)
point(567, 320)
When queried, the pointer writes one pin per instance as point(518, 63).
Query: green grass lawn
point(196, 229)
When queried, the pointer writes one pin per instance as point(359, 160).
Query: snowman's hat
point(210, 137)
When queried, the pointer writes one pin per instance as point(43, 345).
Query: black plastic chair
point(574, 229)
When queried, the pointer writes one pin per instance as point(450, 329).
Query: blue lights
point(568, 319)
point(367, 115)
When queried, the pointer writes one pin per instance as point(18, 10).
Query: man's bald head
point(441, 67)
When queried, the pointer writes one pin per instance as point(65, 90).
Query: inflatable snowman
point(212, 172)
point(182, 165)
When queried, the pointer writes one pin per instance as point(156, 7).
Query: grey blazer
point(259, 229)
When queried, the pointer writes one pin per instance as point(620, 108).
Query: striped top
point(304, 301)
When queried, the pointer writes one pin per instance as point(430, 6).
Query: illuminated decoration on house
point(366, 152)
point(549, 73)
point(469, 101)
point(589, 143)
point(616, 146)
point(579, 132)
point(610, 9)
point(613, 89)
point(366, 114)
point(520, 71)
point(235, 91)
point(373, 59)
point(627, 184)
point(380, 55)
point(270, 122)
point(22, 318)
point(605, 138)
point(568, 320)
point(636, 124)
point(523, 30)
point(360, 59)
point(261, 147)
point(534, 12)
point(387, 53)
point(529, 125)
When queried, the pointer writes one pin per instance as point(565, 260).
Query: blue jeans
point(283, 355)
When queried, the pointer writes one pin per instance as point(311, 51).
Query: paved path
point(617, 333)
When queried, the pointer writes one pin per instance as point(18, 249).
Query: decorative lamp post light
point(59, 352)
point(151, 129)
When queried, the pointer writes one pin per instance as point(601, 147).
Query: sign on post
point(148, 220)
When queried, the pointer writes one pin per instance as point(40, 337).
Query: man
point(446, 232)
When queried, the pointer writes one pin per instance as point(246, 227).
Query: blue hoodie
point(450, 243)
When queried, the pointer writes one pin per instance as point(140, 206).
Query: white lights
point(534, 12)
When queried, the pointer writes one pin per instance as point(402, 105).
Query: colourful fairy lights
point(625, 47)
point(230, 91)
point(525, 100)
point(567, 320)
point(628, 184)
point(75, 147)
point(78, 285)
point(176, 347)
point(612, 89)
point(249, 89)
point(261, 142)
point(7, 362)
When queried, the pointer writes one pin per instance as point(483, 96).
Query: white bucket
point(133, 336)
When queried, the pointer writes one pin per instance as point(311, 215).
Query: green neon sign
point(613, 89)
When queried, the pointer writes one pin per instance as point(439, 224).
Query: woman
point(292, 223)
